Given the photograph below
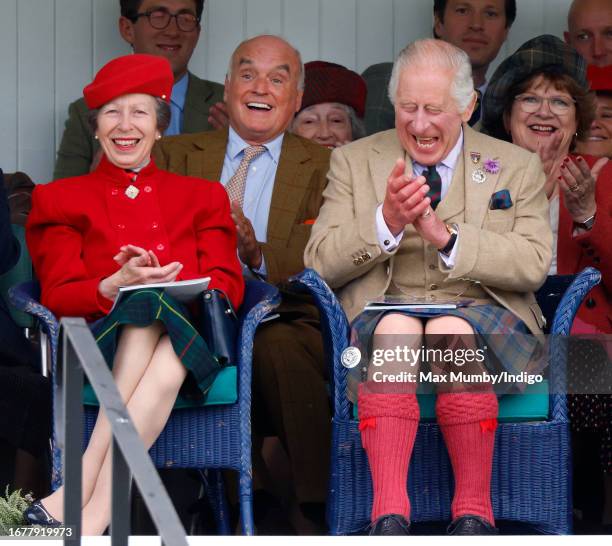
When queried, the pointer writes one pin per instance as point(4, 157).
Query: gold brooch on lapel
point(132, 191)
point(475, 157)
point(479, 176)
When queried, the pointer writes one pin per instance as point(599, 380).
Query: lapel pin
point(491, 165)
point(475, 157)
point(132, 191)
point(479, 176)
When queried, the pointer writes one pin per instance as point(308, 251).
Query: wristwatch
point(453, 232)
point(586, 224)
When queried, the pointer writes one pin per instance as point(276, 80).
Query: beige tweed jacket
point(503, 255)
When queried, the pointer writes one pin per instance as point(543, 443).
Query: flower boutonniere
point(491, 165)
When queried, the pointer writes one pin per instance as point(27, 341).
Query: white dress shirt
point(445, 168)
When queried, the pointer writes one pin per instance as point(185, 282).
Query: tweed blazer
point(296, 197)
point(78, 146)
point(503, 255)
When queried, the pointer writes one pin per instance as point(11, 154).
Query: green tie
point(433, 180)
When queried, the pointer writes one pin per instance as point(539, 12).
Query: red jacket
point(592, 248)
point(77, 225)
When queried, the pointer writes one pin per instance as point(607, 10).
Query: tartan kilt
point(510, 345)
point(142, 308)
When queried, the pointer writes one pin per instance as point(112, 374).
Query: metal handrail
point(80, 353)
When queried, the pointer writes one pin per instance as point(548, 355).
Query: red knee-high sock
point(388, 425)
point(468, 422)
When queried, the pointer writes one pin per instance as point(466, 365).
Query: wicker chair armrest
point(335, 330)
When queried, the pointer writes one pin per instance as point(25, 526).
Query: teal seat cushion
point(531, 405)
point(224, 390)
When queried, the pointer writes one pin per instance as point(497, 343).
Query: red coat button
point(114, 191)
point(121, 226)
point(148, 189)
point(154, 225)
point(160, 247)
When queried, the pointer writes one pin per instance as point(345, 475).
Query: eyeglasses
point(160, 19)
point(532, 103)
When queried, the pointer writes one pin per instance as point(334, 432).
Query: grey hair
point(437, 54)
point(357, 125)
point(358, 129)
point(302, 75)
point(162, 113)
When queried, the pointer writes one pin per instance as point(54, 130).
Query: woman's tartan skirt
point(509, 345)
point(142, 308)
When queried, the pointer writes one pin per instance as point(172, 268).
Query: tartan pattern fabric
point(141, 308)
point(500, 200)
point(379, 112)
point(434, 181)
point(510, 346)
point(235, 186)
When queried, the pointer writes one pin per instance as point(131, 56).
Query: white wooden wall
point(49, 49)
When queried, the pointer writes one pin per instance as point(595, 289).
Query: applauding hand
point(548, 150)
point(248, 247)
point(138, 266)
point(577, 181)
point(218, 116)
point(405, 199)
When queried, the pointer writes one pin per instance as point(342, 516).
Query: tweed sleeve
point(78, 147)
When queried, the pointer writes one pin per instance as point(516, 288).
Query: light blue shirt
point(177, 105)
point(259, 182)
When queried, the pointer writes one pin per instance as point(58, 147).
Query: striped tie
point(235, 186)
point(434, 181)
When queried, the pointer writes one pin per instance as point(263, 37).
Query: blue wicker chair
point(532, 463)
point(213, 437)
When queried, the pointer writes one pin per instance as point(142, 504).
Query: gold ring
point(574, 187)
point(427, 212)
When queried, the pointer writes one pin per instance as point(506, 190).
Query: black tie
point(433, 180)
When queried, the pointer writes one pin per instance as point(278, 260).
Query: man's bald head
point(263, 88)
point(589, 24)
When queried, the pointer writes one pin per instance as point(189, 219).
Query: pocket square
point(500, 200)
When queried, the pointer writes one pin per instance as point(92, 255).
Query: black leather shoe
point(36, 514)
point(471, 525)
point(390, 525)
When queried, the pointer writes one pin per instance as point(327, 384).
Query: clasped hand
point(249, 250)
point(574, 178)
point(406, 202)
point(577, 181)
point(137, 266)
